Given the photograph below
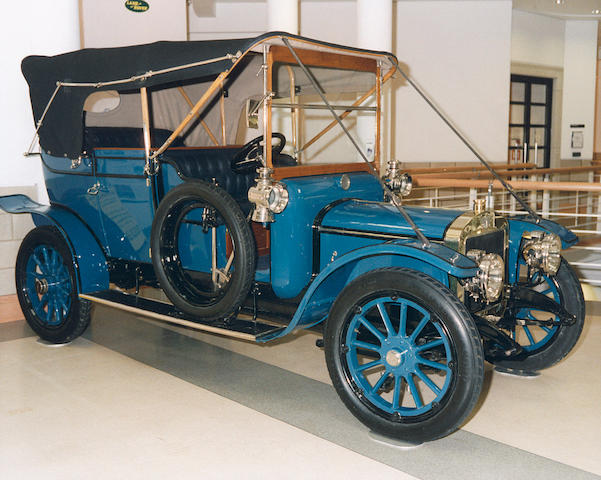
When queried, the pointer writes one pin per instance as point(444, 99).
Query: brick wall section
point(13, 229)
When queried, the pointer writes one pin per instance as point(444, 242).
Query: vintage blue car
point(256, 239)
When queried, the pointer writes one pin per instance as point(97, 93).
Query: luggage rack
point(241, 326)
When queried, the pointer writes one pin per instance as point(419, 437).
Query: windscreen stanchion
point(393, 197)
point(465, 141)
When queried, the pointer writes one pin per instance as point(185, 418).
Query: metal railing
point(552, 193)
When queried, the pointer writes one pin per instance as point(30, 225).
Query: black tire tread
point(246, 245)
point(474, 340)
point(80, 314)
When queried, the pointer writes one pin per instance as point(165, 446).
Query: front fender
point(517, 227)
point(435, 260)
point(88, 258)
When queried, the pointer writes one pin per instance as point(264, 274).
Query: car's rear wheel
point(46, 287)
point(203, 250)
point(404, 354)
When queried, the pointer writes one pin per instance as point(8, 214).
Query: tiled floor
point(137, 399)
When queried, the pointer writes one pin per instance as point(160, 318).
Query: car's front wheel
point(545, 345)
point(404, 354)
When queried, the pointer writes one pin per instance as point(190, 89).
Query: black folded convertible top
point(61, 132)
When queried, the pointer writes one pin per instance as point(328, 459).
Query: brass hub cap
point(41, 286)
point(394, 358)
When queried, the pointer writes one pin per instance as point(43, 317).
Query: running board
point(242, 326)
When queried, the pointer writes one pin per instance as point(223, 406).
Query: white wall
point(38, 27)
point(231, 20)
point(580, 64)
point(331, 21)
point(108, 23)
point(459, 52)
point(537, 39)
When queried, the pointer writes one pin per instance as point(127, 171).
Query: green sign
point(138, 6)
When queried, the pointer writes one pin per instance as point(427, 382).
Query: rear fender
point(435, 260)
point(88, 258)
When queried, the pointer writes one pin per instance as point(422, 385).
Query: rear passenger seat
point(191, 163)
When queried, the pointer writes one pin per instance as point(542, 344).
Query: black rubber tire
point(565, 337)
point(77, 318)
point(172, 277)
point(468, 371)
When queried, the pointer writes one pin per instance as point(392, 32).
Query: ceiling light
point(596, 11)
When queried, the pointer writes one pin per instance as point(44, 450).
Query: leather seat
point(212, 163)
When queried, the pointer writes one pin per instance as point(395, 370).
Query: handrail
point(510, 173)
point(427, 181)
point(468, 168)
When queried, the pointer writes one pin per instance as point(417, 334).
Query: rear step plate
point(242, 326)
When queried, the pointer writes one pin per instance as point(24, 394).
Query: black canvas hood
point(61, 132)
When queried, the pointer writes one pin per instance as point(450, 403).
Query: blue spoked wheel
point(387, 366)
point(48, 285)
point(45, 280)
point(546, 345)
point(534, 337)
point(404, 354)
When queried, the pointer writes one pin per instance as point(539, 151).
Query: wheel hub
point(41, 286)
point(394, 358)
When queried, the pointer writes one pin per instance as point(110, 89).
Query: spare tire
point(202, 250)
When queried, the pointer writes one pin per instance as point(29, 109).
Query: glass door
point(530, 120)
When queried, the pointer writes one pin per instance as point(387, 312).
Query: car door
point(124, 201)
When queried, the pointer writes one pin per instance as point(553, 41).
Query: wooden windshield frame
point(320, 58)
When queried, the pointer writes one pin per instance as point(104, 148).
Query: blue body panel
point(68, 187)
point(88, 258)
point(124, 202)
point(360, 224)
point(121, 213)
point(291, 233)
point(384, 217)
point(436, 260)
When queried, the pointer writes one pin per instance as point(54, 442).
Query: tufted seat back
point(212, 163)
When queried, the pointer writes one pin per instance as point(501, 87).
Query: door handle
point(94, 189)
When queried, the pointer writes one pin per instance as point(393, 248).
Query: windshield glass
point(299, 113)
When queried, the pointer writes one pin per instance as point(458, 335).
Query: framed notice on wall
point(577, 139)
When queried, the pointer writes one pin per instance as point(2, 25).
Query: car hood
point(383, 218)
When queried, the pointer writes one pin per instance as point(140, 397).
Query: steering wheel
point(248, 159)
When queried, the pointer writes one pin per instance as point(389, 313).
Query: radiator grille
point(491, 242)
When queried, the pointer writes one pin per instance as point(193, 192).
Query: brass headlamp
point(542, 251)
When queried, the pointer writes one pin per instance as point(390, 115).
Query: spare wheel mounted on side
point(203, 250)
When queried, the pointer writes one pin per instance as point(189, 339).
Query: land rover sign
point(138, 6)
